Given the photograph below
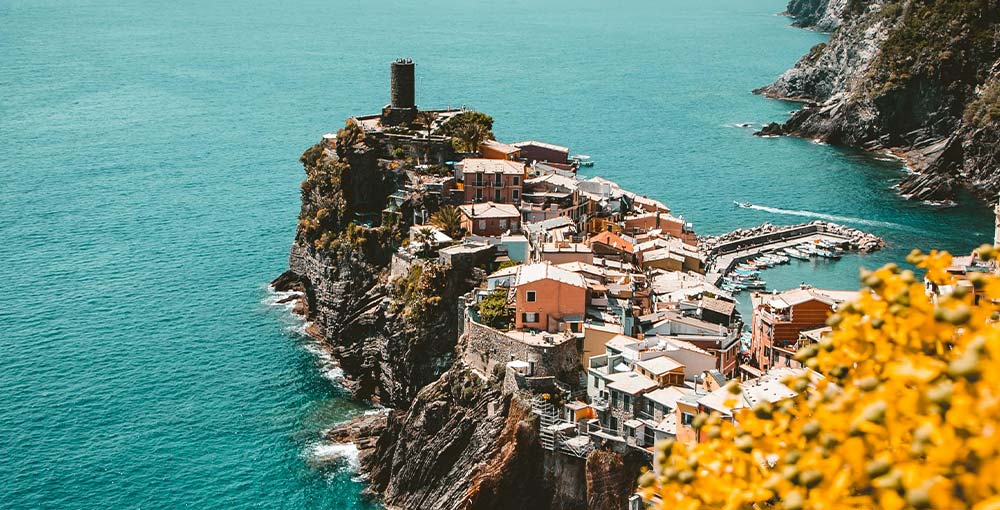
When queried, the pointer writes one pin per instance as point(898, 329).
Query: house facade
point(492, 180)
point(548, 298)
point(779, 318)
point(490, 219)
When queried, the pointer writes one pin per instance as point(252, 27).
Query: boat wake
point(827, 217)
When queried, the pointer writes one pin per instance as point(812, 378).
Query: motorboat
point(796, 254)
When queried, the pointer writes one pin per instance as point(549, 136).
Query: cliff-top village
point(599, 302)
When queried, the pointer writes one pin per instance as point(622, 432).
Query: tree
point(426, 119)
point(493, 310)
point(905, 415)
point(425, 236)
point(449, 220)
point(468, 130)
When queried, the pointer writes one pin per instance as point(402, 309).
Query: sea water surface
point(148, 162)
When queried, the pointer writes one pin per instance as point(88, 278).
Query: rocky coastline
point(919, 80)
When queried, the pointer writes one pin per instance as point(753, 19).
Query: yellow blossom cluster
point(902, 411)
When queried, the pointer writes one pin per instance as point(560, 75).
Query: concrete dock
point(730, 254)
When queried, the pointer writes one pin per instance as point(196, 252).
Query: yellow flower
point(906, 415)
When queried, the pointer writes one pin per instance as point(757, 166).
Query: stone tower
point(402, 84)
point(402, 108)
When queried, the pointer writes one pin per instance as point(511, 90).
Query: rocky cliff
point(391, 337)
point(918, 78)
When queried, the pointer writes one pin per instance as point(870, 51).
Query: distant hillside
point(917, 77)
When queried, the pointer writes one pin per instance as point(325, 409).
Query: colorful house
point(492, 149)
point(778, 318)
point(495, 180)
point(490, 219)
point(549, 298)
point(532, 150)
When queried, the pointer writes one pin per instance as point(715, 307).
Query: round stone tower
point(402, 84)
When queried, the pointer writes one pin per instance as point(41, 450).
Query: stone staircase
point(547, 417)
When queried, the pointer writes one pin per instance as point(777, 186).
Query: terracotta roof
point(542, 145)
point(667, 396)
point(489, 210)
point(500, 147)
point(492, 166)
point(660, 365)
point(613, 240)
point(534, 272)
point(631, 383)
point(718, 305)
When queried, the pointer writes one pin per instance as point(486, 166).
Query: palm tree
point(426, 119)
point(449, 220)
point(471, 135)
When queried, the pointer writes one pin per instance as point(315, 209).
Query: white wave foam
point(274, 296)
point(377, 410)
point(828, 217)
point(327, 365)
point(324, 454)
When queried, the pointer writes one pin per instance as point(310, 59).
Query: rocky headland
point(451, 437)
point(915, 78)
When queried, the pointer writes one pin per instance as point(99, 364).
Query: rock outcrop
point(391, 337)
point(918, 78)
point(821, 15)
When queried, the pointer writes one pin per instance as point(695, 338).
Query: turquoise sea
point(149, 189)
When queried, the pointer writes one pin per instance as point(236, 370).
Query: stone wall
point(484, 348)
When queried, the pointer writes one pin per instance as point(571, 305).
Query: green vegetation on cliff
point(417, 295)
point(338, 189)
point(949, 41)
point(494, 311)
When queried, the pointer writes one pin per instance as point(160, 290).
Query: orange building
point(609, 244)
point(778, 319)
point(549, 298)
point(492, 149)
point(494, 180)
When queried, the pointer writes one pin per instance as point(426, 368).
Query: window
point(628, 402)
point(687, 418)
point(498, 180)
point(479, 195)
point(482, 224)
point(479, 179)
point(515, 194)
point(529, 296)
point(497, 195)
point(614, 423)
point(614, 399)
point(503, 223)
point(529, 317)
point(517, 181)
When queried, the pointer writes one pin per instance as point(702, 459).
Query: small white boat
point(582, 160)
point(796, 254)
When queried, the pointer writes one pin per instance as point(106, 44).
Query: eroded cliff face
point(463, 444)
point(918, 78)
point(391, 337)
